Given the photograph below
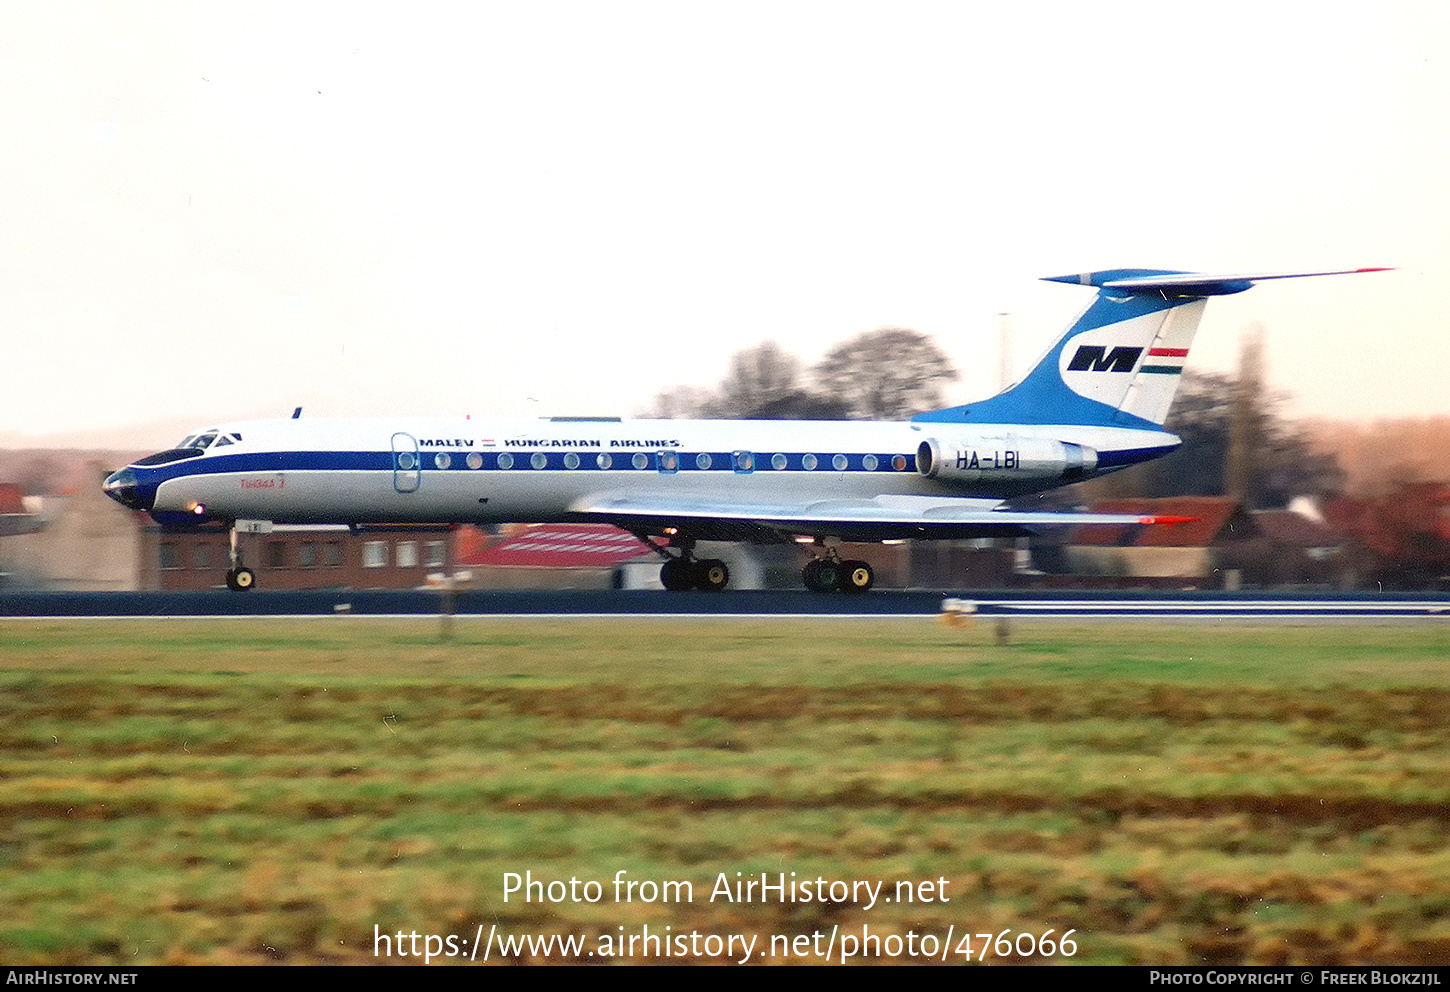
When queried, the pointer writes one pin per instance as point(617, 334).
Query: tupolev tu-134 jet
point(1095, 403)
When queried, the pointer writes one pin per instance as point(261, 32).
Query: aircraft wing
point(882, 518)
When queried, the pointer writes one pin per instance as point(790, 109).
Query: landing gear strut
point(240, 578)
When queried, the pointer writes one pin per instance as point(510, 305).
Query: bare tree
point(758, 377)
point(1246, 412)
point(886, 374)
point(764, 383)
point(681, 403)
point(1284, 465)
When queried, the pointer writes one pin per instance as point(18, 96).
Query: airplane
point(1095, 403)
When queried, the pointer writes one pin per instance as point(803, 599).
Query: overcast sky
point(210, 211)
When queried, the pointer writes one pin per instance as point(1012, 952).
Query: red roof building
point(12, 498)
point(1214, 519)
point(555, 546)
point(547, 556)
point(1196, 553)
point(1400, 540)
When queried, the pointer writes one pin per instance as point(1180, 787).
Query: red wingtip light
point(1169, 520)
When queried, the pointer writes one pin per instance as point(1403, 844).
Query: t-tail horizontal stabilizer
point(1181, 284)
point(1120, 363)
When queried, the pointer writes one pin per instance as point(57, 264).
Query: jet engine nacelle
point(1009, 458)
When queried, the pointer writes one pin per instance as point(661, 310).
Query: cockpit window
point(165, 457)
point(206, 439)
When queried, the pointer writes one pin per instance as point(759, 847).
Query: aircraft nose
point(122, 487)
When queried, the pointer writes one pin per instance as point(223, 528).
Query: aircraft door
point(406, 463)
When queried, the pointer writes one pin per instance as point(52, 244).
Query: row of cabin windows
point(311, 554)
point(668, 461)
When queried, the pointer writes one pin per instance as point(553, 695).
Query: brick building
point(313, 557)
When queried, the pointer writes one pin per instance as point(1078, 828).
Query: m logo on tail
point(1096, 358)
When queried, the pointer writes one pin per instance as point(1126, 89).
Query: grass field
point(260, 791)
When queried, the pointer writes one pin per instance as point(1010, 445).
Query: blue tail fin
point(1120, 363)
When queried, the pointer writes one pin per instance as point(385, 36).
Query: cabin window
point(505, 461)
point(539, 460)
point(442, 459)
point(669, 461)
point(702, 461)
point(571, 461)
point(839, 463)
point(808, 462)
point(898, 462)
point(604, 460)
point(744, 462)
point(475, 460)
point(640, 460)
point(778, 462)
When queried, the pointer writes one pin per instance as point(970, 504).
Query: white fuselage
point(460, 471)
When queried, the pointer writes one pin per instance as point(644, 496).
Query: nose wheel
point(240, 578)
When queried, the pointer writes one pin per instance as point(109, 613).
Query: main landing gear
point(684, 571)
point(240, 578)
point(830, 574)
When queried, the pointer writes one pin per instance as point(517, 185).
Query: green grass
point(254, 791)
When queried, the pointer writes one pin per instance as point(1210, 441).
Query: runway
point(784, 603)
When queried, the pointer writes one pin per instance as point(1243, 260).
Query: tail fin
point(1119, 364)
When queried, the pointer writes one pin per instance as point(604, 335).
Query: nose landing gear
point(240, 578)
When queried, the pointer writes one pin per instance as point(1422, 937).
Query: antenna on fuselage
point(297, 413)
